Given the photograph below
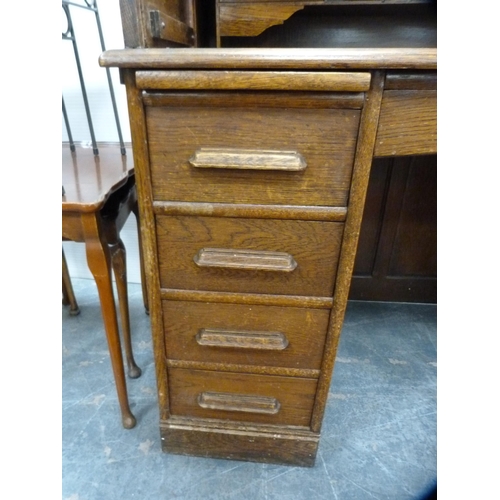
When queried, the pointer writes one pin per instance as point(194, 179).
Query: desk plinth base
point(251, 443)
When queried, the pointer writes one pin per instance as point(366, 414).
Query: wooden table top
point(89, 180)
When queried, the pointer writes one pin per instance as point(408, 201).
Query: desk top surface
point(272, 59)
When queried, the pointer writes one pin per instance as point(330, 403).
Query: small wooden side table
point(98, 195)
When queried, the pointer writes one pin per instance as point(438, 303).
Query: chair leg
point(141, 258)
point(118, 260)
point(67, 289)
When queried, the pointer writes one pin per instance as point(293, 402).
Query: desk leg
point(99, 262)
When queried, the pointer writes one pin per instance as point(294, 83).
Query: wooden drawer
point(408, 123)
point(291, 337)
point(242, 397)
point(408, 115)
point(242, 255)
point(254, 155)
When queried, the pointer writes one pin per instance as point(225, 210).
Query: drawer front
point(241, 397)
point(408, 123)
point(243, 155)
point(241, 255)
point(291, 337)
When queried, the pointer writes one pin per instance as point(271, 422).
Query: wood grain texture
point(253, 80)
point(72, 227)
point(237, 19)
point(265, 444)
point(295, 395)
point(177, 28)
point(337, 214)
point(89, 180)
point(277, 59)
point(98, 197)
point(183, 206)
point(253, 260)
point(361, 175)
point(100, 261)
point(266, 99)
point(133, 30)
point(165, 27)
point(248, 18)
point(225, 401)
point(230, 367)
point(348, 25)
point(326, 139)
point(241, 339)
point(304, 331)
point(148, 233)
point(408, 123)
point(248, 159)
point(315, 247)
point(248, 298)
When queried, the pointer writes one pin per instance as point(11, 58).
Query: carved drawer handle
point(257, 260)
point(238, 402)
point(248, 159)
point(267, 341)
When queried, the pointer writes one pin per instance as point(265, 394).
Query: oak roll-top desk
point(252, 166)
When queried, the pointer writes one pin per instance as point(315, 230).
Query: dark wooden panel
point(397, 254)
point(416, 228)
point(345, 26)
point(174, 26)
point(411, 80)
point(371, 226)
point(262, 99)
